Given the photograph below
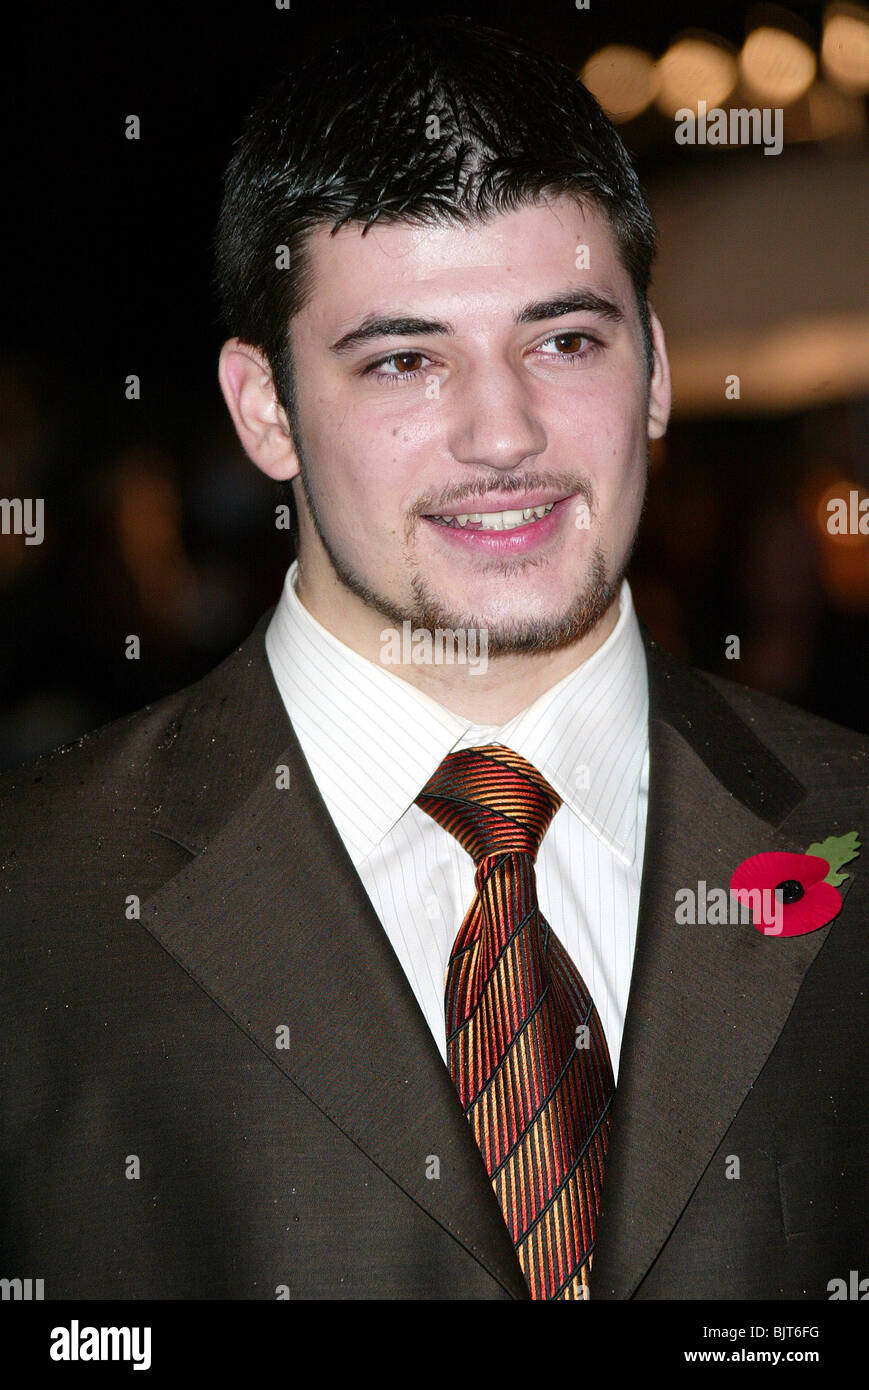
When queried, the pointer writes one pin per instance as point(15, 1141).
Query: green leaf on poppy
point(837, 850)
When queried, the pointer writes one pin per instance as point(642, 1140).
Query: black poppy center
point(790, 891)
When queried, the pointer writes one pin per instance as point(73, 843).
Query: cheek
point(362, 473)
point(609, 441)
point(608, 404)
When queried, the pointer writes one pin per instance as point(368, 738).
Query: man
point(358, 969)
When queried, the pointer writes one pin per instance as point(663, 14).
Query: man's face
point(427, 449)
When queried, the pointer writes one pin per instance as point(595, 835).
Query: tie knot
point(492, 800)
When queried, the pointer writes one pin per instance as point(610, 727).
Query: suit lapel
point(271, 919)
point(707, 1003)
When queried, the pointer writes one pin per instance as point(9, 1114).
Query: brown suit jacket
point(158, 1142)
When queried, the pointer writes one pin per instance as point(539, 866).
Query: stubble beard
point(520, 636)
point(514, 637)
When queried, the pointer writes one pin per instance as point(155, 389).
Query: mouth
point(507, 531)
point(494, 521)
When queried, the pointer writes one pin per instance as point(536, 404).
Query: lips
point(509, 531)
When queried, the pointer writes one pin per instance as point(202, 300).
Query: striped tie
point(526, 1047)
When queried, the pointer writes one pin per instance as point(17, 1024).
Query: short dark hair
point(349, 137)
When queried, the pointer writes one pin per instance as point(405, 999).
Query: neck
point(487, 691)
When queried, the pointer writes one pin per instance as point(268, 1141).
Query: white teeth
point(501, 521)
point(498, 521)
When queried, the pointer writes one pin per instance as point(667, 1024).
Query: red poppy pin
point(792, 894)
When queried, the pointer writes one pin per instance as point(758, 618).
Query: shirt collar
point(372, 741)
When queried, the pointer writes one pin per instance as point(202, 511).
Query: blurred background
point(156, 524)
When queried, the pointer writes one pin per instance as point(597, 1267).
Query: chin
point(550, 627)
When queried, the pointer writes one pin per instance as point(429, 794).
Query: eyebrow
point(570, 301)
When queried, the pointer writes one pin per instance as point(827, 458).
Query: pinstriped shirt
point(372, 741)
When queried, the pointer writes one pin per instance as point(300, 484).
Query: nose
point(494, 422)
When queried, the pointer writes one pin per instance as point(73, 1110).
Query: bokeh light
point(695, 68)
point(622, 78)
point(778, 66)
point(845, 48)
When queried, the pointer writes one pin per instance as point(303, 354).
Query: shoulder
point(105, 791)
point(814, 749)
point(725, 720)
point(110, 765)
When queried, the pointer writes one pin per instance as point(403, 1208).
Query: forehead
point(504, 255)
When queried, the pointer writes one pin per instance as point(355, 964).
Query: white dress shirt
point(372, 741)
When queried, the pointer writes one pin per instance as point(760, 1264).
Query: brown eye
point(573, 348)
point(400, 360)
point(407, 364)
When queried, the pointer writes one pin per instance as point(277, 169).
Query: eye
point(566, 353)
point(403, 361)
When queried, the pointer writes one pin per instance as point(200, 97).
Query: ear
point(260, 421)
point(660, 392)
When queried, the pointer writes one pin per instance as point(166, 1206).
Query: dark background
point(155, 522)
